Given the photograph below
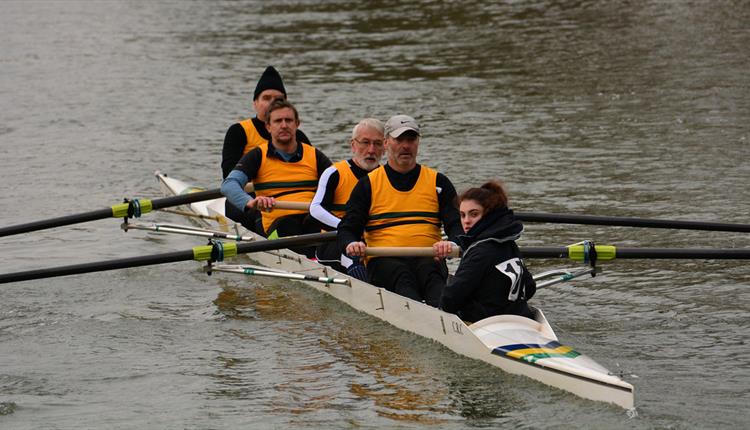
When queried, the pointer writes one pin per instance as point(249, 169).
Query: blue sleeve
point(233, 189)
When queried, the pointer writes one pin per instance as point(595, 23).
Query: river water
point(622, 108)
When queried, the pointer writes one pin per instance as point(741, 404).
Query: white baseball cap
point(398, 124)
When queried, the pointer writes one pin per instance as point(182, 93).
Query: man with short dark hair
point(402, 204)
point(282, 169)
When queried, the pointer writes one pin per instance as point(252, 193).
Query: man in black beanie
point(249, 133)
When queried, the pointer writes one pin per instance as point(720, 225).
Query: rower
point(402, 204)
point(247, 134)
point(337, 182)
point(283, 169)
point(492, 278)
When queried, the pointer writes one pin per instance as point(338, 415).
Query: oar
point(134, 207)
point(631, 222)
point(579, 253)
point(584, 219)
point(218, 252)
point(608, 252)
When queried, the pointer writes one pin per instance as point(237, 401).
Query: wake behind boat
point(512, 343)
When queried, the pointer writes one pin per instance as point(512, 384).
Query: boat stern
point(529, 347)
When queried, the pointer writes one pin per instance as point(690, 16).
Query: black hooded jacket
point(491, 279)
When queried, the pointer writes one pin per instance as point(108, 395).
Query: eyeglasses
point(365, 143)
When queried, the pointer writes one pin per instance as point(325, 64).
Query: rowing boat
point(515, 344)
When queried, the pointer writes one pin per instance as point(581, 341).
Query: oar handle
point(300, 206)
point(406, 251)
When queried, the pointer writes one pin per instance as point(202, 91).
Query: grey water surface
point(620, 108)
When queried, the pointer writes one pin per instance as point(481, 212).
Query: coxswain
point(491, 278)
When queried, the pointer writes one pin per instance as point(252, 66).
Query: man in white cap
point(402, 204)
point(247, 134)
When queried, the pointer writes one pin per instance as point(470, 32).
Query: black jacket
point(491, 279)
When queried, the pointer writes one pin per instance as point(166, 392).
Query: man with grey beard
point(336, 184)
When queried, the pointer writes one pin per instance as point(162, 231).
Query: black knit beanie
point(269, 80)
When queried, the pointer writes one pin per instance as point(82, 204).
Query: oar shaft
point(184, 199)
point(98, 266)
point(642, 253)
point(198, 253)
point(55, 222)
point(113, 211)
point(631, 222)
point(667, 253)
point(286, 242)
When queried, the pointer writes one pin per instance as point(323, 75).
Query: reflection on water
point(394, 373)
point(239, 303)
point(329, 359)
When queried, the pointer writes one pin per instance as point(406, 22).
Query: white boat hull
point(515, 344)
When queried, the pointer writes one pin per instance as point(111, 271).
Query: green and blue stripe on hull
point(533, 352)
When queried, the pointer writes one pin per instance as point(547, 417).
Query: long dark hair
point(491, 195)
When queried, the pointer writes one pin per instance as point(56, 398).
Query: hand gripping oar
point(215, 252)
point(631, 222)
point(128, 209)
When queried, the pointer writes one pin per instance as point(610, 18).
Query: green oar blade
point(116, 211)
